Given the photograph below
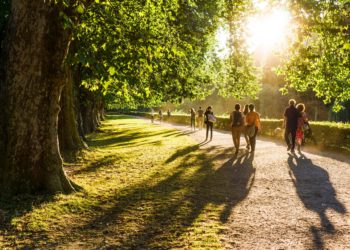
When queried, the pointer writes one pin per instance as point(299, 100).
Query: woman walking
point(246, 137)
point(209, 121)
point(193, 119)
point(253, 126)
point(237, 123)
point(302, 119)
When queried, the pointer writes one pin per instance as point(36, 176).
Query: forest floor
point(152, 186)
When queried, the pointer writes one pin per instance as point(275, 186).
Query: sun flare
point(269, 31)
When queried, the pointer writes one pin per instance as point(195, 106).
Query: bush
point(325, 134)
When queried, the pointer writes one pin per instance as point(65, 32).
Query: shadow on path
point(203, 177)
point(315, 190)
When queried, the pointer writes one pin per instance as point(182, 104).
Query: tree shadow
point(316, 191)
point(179, 199)
point(125, 138)
point(16, 207)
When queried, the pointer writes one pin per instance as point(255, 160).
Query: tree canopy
point(319, 56)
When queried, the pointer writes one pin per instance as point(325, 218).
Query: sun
point(268, 30)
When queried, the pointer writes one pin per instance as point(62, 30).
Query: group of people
point(295, 124)
point(247, 122)
point(197, 116)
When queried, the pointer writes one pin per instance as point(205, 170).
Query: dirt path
point(289, 201)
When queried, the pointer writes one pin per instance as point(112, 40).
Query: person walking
point(193, 119)
point(209, 121)
point(237, 123)
point(253, 126)
point(246, 137)
point(290, 124)
point(200, 118)
point(152, 115)
point(160, 116)
point(302, 120)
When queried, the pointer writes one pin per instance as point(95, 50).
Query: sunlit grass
point(144, 185)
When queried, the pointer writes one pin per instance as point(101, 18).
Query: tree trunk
point(69, 138)
point(89, 110)
point(36, 47)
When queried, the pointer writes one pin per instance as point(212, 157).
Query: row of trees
point(63, 60)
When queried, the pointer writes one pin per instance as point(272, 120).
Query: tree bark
point(69, 138)
point(36, 47)
point(89, 110)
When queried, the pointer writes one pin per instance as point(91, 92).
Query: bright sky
point(267, 31)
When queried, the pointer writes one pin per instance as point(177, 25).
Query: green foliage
point(319, 56)
point(239, 78)
point(146, 51)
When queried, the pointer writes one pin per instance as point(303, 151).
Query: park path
point(296, 201)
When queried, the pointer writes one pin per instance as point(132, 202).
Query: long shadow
point(125, 138)
point(316, 191)
point(179, 199)
point(16, 207)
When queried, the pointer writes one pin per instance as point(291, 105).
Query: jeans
point(290, 141)
point(236, 136)
point(252, 140)
point(209, 127)
point(193, 123)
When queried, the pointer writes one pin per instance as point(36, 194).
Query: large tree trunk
point(36, 48)
point(89, 110)
point(69, 138)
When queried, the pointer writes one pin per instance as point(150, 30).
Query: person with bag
point(209, 121)
point(237, 124)
point(302, 126)
point(253, 126)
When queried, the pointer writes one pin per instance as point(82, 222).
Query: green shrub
point(326, 134)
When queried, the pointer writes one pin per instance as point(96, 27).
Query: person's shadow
point(239, 173)
point(316, 192)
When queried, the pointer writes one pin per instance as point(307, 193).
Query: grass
point(145, 186)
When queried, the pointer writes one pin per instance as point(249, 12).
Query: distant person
point(193, 118)
point(168, 112)
point(209, 120)
point(302, 121)
point(160, 112)
point(200, 118)
point(253, 126)
point(152, 115)
point(290, 124)
point(246, 137)
point(237, 123)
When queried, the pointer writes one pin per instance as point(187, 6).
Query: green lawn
point(145, 186)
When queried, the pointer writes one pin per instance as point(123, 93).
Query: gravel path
point(290, 201)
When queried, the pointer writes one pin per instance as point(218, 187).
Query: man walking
point(200, 117)
point(291, 115)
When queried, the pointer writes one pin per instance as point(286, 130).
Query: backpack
point(237, 119)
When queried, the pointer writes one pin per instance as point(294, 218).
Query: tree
point(319, 56)
point(35, 50)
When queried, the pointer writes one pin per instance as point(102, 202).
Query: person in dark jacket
point(291, 115)
point(208, 121)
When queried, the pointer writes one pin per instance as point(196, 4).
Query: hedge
point(325, 134)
